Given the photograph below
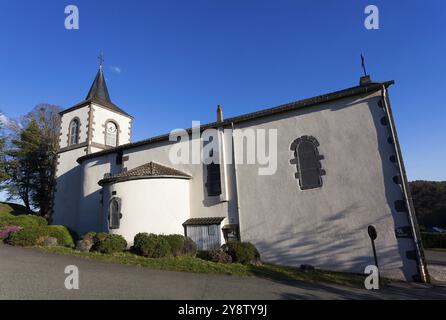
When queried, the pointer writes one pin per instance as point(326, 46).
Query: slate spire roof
point(148, 170)
point(98, 94)
point(99, 89)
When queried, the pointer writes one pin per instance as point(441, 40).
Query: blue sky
point(171, 62)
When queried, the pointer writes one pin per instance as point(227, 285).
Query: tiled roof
point(151, 169)
point(369, 87)
point(203, 221)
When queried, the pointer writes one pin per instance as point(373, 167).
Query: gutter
point(421, 260)
point(325, 98)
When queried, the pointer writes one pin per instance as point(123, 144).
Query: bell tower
point(92, 125)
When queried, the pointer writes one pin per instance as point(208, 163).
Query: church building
point(339, 171)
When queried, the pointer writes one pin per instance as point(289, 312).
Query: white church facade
point(339, 170)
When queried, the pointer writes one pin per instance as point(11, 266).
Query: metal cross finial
point(363, 64)
point(101, 59)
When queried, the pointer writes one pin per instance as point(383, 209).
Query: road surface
point(33, 274)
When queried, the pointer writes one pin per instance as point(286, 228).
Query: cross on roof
point(101, 59)
point(363, 65)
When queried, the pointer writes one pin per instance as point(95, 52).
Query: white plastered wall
point(101, 116)
point(82, 115)
point(156, 205)
point(327, 227)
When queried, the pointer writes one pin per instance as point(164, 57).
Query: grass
point(197, 265)
point(12, 209)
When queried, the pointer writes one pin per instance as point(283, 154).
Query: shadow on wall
point(80, 213)
point(393, 189)
point(345, 246)
point(348, 245)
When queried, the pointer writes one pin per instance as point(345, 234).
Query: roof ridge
point(316, 100)
point(149, 169)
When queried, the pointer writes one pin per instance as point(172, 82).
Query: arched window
point(114, 214)
point(111, 134)
point(73, 135)
point(307, 159)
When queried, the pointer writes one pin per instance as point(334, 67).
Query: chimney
point(219, 114)
point(365, 80)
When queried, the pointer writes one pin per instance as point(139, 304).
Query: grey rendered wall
point(68, 181)
point(327, 227)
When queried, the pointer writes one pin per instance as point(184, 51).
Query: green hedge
point(35, 231)
point(109, 243)
point(242, 252)
point(434, 240)
point(25, 221)
point(176, 244)
point(151, 245)
point(62, 234)
point(159, 245)
point(28, 237)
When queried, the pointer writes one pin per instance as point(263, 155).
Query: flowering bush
point(5, 231)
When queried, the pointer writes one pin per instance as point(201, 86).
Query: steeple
point(99, 89)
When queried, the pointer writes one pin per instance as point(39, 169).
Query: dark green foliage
point(242, 252)
point(429, 199)
point(190, 247)
point(151, 245)
point(110, 243)
point(434, 240)
point(176, 244)
point(62, 234)
point(202, 254)
point(98, 237)
point(27, 237)
point(29, 163)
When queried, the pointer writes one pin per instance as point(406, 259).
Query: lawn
point(197, 265)
point(12, 208)
point(191, 264)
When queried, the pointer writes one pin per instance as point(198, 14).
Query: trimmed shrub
point(190, 247)
point(218, 255)
point(242, 252)
point(89, 236)
point(84, 245)
point(62, 234)
point(151, 245)
point(110, 243)
point(434, 240)
point(25, 221)
point(176, 244)
point(5, 231)
point(27, 237)
point(98, 237)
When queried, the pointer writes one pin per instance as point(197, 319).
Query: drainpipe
point(236, 181)
point(421, 261)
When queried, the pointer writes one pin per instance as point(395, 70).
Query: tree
point(3, 175)
point(31, 158)
point(429, 198)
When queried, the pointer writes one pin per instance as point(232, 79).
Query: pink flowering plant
point(5, 231)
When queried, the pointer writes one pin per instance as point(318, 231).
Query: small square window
point(211, 230)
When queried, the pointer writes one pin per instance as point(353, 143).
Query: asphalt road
point(33, 274)
point(435, 257)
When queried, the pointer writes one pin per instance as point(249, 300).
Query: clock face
point(111, 127)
